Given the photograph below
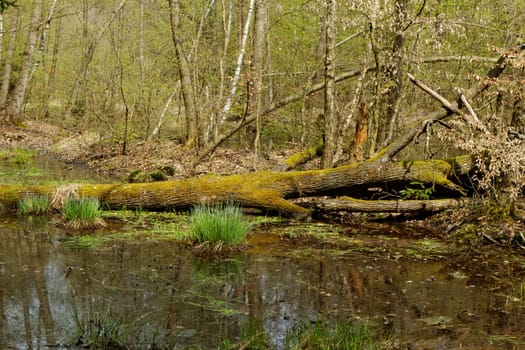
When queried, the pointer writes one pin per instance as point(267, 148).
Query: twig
point(490, 239)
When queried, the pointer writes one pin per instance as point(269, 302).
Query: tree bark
point(388, 206)
point(269, 191)
point(16, 97)
point(8, 65)
point(259, 46)
point(190, 106)
point(330, 114)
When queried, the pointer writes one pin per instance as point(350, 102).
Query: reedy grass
point(342, 335)
point(33, 204)
point(83, 213)
point(218, 226)
point(112, 330)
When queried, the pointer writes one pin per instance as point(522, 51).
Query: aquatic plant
point(111, 330)
point(18, 155)
point(102, 331)
point(83, 213)
point(33, 204)
point(345, 335)
point(218, 226)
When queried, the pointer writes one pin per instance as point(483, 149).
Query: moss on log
point(301, 158)
point(265, 190)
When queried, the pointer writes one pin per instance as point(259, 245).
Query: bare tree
point(16, 97)
point(259, 46)
point(330, 114)
point(192, 119)
point(8, 65)
point(89, 52)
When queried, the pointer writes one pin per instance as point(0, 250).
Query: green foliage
point(421, 192)
point(33, 204)
point(5, 4)
point(82, 213)
point(222, 225)
point(343, 335)
point(19, 155)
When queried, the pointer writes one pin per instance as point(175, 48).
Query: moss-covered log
point(302, 157)
point(266, 190)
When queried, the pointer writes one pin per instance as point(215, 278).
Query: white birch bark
point(43, 39)
point(240, 58)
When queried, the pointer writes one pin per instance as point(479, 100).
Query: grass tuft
point(342, 335)
point(218, 226)
point(35, 204)
point(83, 213)
point(19, 155)
point(103, 331)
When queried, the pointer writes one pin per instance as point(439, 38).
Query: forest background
point(329, 77)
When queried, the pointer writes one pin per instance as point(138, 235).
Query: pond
point(411, 288)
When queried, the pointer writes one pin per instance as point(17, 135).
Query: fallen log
point(265, 190)
point(388, 206)
point(302, 157)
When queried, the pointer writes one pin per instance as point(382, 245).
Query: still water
point(412, 290)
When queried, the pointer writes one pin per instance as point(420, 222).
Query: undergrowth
point(33, 205)
point(218, 226)
point(83, 213)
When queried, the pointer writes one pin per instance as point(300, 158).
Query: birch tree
point(330, 114)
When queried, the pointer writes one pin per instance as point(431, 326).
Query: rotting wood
point(265, 190)
point(388, 206)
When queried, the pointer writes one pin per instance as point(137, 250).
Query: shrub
point(33, 204)
point(219, 226)
point(82, 213)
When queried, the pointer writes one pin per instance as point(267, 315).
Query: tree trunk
point(259, 46)
point(16, 97)
point(269, 191)
point(190, 107)
point(387, 206)
point(8, 66)
point(394, 76)
point(330, 114)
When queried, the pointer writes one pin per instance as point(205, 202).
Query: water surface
point(420, 292)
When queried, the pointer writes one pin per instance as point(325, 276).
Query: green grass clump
point(83, 213)
point(219, 226)
point(342, 335)
point(33, 204)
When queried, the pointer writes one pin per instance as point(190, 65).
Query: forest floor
point(145, 156)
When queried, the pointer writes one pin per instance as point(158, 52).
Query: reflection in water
point(167, 293)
